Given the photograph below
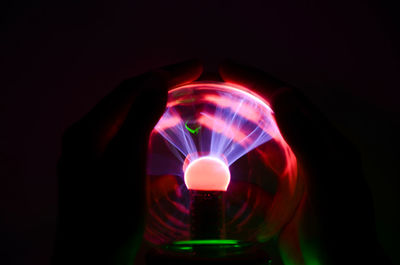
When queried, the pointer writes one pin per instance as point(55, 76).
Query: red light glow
point(207, 173)
point(198, 147)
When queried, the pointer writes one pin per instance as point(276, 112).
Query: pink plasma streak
point(220, 126)
point(168, 123)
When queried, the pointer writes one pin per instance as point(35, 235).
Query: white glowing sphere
point(207, 173)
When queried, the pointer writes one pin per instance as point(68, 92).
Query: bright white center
point(207, 173)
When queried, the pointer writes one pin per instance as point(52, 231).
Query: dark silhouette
point(102, 175)
point(102, 170)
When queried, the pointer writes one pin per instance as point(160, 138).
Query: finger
point(182, 73)
point(123, 164)
point(129, 146)
point(151, 101)
point(102, 123)
point(251, 78)
point(294, 114)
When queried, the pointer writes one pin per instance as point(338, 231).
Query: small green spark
point(193, 131)
point(208, 242)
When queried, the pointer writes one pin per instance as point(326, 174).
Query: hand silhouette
point(102, 175)
point(335, 221)
point(102, 170)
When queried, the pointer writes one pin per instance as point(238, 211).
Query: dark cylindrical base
point(254, 256)
point(207, 214)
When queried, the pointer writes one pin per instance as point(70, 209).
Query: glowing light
point(207, 173)
point(208, 242)
point(193, 131)
point(233, 121)
point(168, 123)
point(220, 126)
point(205, 129)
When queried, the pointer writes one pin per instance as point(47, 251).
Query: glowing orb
point(207, 173)
point(217, 136)
point(213, 119)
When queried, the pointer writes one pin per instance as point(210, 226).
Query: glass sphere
point(223, 124)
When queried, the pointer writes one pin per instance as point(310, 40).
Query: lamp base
point(208, 252)
point(207, 214)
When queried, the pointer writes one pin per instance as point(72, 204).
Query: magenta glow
point(219, 137)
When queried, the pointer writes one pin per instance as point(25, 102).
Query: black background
point(58, 58)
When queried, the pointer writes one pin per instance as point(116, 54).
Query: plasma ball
point(205, 129)
point(208, 174)
point(211, 119)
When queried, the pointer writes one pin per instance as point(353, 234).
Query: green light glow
point(193, 131)
point(209, 247)
point(208, 242)
point(185, 248)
